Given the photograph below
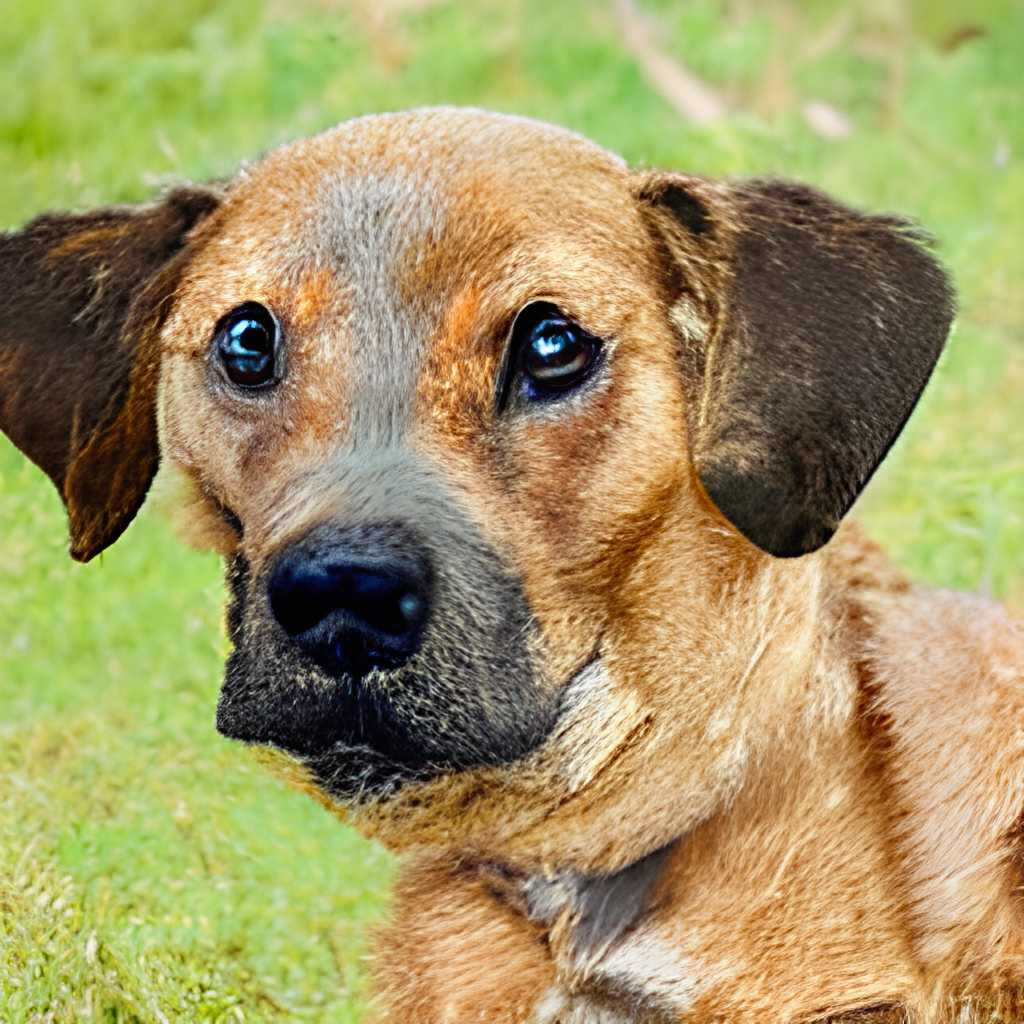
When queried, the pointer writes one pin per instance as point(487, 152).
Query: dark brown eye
point(246, 342)
point(556, 355)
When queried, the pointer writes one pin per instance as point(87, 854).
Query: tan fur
point(833, 758)
point(796, 903)
point(463, 957)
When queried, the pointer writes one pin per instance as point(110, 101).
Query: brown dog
point(525, 467)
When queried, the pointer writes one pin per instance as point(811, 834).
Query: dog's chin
point(357, 774)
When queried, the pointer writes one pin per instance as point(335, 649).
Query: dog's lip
point(234, 722)
point(379, 777)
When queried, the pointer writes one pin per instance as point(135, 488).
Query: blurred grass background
point(150, 871)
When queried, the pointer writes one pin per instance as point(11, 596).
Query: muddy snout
point(353, 599)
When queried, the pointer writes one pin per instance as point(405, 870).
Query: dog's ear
point(82, 300)
point(808, 332)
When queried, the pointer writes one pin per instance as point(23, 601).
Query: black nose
point(354, 600)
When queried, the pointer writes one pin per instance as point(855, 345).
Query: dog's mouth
point(344, 730)
point(367, 737)
point(305, 710)
point(356, 772)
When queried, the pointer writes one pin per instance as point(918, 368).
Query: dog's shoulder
point(945, 682)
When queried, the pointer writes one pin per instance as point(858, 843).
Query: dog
point(528, 471)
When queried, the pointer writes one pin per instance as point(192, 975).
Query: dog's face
point(491, 431)
point(442, 527)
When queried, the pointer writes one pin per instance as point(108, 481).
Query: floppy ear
point(82, 300)
point(808, 332)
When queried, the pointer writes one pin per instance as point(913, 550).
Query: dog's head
point(493, 434)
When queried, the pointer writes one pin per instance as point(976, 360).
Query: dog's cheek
point(458, 434)
point(570, 497)
point(226, 467)
point(198, 520)
point(594, 492)
point(203, 451)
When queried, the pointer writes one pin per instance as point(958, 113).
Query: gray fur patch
point(601, 907)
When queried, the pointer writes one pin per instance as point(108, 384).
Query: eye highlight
point(246, 344)
point(554, 355)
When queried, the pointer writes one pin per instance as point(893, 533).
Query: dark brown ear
point(808, 332)
point(82, 300)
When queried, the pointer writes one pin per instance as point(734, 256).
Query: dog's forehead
point(385, 200)
point(386, 184)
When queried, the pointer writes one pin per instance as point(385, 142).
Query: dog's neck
point(814, 758)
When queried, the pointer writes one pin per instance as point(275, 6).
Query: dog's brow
point(374, 226)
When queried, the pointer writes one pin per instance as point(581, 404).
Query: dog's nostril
point(352, 607)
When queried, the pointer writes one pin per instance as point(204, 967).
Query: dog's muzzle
point(383, 650)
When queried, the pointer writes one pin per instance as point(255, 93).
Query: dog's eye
point(246, 342)
point(556, 355)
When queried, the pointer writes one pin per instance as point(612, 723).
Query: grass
point(149, 870)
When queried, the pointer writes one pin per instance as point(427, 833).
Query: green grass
point(151, 871)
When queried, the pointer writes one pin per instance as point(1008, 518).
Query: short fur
point(673, 745)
